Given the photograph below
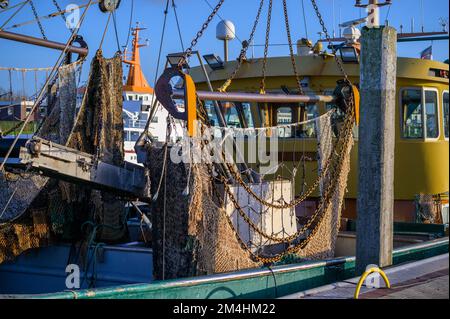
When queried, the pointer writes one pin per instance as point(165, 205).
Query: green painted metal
point(257, 283)
point(401, 228)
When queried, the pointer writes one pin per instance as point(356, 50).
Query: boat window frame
point(443, 113)
point(431, 139)
point(424, 137)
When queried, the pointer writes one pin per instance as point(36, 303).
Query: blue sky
point(192, 13)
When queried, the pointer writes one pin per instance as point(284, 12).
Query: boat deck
point(425, 279)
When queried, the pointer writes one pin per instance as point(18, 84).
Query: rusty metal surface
point(42, 42)
point(255, 97)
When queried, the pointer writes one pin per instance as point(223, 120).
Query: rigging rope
point(12, 7)
point(188, 51)
point(242, 55)
point(304, 19)
point(41, 28)
point(14, 14)
point(41, 94)
point(154, 102)
point(115, 31)
point(325, 31)
point(48, 16)
point(130, 25)
point(178, 24)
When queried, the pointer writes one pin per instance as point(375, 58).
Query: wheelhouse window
point(284, 117)
point(445, 113)
point(420, 117)
point(235, 115)
point(412, 124)
point(431, 114)
point(309, 129)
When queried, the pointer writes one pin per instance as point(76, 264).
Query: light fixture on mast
point(373, 8)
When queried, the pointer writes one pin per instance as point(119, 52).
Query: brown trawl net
point(190, 236)
point(57, 209)
point(197, 233)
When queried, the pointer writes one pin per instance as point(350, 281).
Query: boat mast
point(136, 81)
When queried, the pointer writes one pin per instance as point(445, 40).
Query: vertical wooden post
point(375, 203)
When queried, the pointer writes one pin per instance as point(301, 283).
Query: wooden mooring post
point(375, 202)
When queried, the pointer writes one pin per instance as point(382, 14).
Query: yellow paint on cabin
point(421, 166)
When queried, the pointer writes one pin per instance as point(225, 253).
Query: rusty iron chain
point(303, 196)
point(36, 16)
point(244, 50)
point(333, 176)
point(262, 88)
point(330, 43)
point(58, 7)
point(291, 49)
point(317, 217)
point(199, 34)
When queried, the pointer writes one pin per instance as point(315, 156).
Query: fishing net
point(39, 210)
point(428, 208)
point(190, 237)
point(200, 227)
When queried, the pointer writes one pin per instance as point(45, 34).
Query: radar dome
point(225, 30)
point(351, 34)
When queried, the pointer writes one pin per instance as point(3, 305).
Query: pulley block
point(109, 5)
point(164, 93)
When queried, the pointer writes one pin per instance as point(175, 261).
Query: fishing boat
point(138, 98)
point(163, 251)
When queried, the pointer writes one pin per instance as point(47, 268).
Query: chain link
point(243, 53)
point(330, 173)
point(199, 34)
point(314, 222)
point(299, 198)
point(291, 49)
point(36, 16)
point(327, 36)
point(262, 88)
point(63, 15)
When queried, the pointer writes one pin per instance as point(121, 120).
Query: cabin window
point(284, 117)
point(412, 126)
point(431, 114)
point(231, 115)
point(247, 114)
point(445, 113)
point(309, 129)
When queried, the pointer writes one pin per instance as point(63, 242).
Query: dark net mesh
point(58, 209)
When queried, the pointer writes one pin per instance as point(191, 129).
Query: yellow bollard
point(367, 273)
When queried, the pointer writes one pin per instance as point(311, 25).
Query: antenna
point(334, 21)
point(444, 24)
point(374, 11)
point(421, 15)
